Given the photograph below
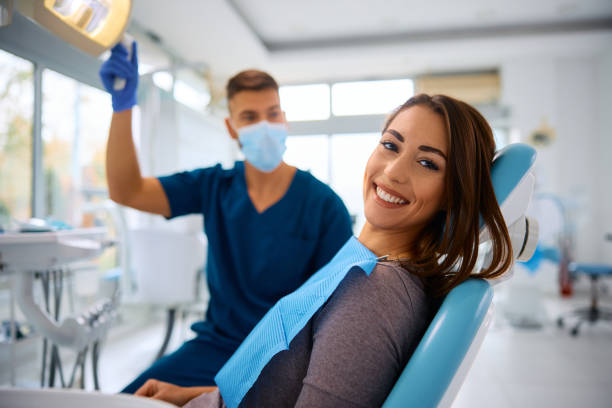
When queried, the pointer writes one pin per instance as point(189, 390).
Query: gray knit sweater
point(352, 350)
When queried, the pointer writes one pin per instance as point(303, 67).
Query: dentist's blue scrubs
point(253, 259)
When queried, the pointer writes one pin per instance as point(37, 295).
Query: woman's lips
point(388, 198)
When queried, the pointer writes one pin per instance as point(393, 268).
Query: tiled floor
point(118, 367)
point(545, 367)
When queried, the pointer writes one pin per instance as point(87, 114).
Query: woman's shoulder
point(399, 306)
point(403, 281)
point(389, 293)
point(390, 272)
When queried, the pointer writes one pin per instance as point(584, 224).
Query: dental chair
point(436, 370)
point(439, 365)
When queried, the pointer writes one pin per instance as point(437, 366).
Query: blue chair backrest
point(443, 347)
point(437, 358)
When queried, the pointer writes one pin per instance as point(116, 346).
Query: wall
point(604, 77)
point(573, 94)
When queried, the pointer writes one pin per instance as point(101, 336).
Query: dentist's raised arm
point(126, 185)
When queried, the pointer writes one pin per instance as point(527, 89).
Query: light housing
point(93, 26)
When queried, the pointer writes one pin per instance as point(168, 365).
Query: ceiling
point(321, 40)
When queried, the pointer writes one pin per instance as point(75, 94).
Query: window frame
point(29, 41)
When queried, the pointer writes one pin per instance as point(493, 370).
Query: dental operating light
point(93, 26)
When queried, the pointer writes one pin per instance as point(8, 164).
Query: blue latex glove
point(118, 66)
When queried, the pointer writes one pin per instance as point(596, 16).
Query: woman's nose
point(397, 171)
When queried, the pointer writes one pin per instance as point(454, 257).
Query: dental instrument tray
point(43, 250)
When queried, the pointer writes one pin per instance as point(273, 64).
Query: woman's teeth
point(388, 197)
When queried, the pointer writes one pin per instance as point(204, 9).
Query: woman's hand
point(171, 393)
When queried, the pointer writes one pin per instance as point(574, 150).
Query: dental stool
point(594, 312)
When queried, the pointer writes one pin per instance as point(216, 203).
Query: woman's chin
point(377, 221)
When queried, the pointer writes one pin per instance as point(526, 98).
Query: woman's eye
point(428, 164)
point(389, 146)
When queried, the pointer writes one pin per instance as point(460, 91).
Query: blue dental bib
point(284, 321)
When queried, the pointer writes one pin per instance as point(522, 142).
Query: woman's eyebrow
point(423, 148)
point(430, 149)
point(397, 134)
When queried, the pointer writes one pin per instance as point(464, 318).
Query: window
point(305, 102)
point(191, 89)
point(370, 97)
point(163, 80)
point(94, 113)
point(189, 96)
point(349, 155)
point(16, 116)
point(310, 153)
point(75, 120)
point(339, 148)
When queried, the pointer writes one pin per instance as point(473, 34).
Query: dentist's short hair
point(250, 80)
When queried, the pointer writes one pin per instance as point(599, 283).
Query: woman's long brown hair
point(447, 250)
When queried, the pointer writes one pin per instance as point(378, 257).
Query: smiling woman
point(404, 180)
point(445, 141)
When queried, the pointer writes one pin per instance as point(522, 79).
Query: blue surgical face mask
point(263, 144)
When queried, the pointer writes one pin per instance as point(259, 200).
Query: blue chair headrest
point(510, 166)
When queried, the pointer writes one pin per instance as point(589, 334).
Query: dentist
point(269, 225)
